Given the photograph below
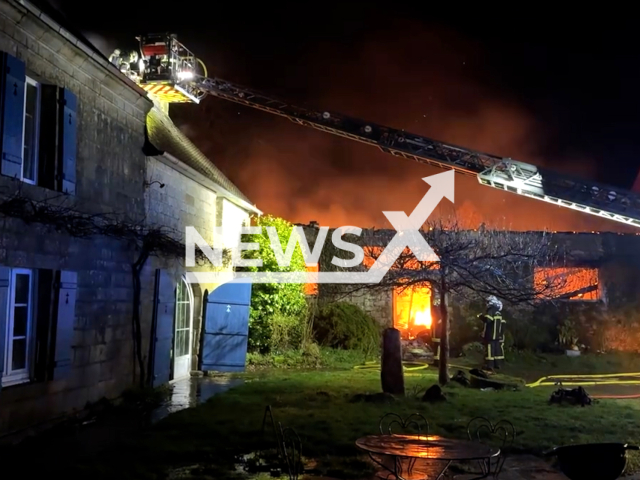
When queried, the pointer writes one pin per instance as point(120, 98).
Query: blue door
point(226, 328)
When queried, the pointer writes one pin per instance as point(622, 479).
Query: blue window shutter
point(69, 140)
point(165, 306)
point(5, 277)
point(65, 323)
point(13, 85)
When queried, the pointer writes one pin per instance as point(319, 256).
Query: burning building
point(410, 307)
point(600, 269)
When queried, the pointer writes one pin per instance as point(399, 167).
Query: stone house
point(603, 274)
point(78, 135)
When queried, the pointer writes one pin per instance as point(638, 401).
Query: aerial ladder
point(170, 72)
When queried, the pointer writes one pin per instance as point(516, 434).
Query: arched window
point(183, 323)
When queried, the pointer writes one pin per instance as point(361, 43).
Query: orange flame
point(412, 310)
point(423, 318)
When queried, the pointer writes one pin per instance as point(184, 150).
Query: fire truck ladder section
point(166, 69)
point(502, 173)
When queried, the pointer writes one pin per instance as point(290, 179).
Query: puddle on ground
point(204, 472)
point(198, 472)
point(189, 392)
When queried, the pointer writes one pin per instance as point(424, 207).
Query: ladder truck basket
point(169, 69)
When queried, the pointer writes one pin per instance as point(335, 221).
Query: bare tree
point(471, 263)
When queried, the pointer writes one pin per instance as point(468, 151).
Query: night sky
point(545, 88)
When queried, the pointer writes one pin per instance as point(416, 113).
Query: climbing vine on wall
point(145, 240)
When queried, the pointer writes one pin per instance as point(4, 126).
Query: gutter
point(196, 176)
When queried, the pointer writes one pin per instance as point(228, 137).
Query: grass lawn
point(316, 404)
point(532, 366)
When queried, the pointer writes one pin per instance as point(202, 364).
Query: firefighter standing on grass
point(436, 322)
point(493, 333)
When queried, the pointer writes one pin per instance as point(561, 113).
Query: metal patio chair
point(288, 444)
point(292, 452)
point(500, 434)
point(394, 424)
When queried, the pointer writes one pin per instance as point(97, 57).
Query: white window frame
point(34, 83)
point(190, 303)
point(10, 377)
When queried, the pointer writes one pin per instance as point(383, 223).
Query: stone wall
point(110, 173)
point(379, 305)
point(180, 203)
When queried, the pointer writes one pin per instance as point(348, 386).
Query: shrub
point(465, 327)
point(616, 330)
point(273, 305)
point(529, 329)
point(345, 326)
point(285, 333)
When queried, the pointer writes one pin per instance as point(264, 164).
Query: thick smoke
point(105, 45)
point(427, 82)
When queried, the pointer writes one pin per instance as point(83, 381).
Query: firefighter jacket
point(492, 323)
point(502, 328)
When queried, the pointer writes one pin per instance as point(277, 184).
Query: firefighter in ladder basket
point(493, 333)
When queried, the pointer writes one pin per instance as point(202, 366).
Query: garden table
point(426, 447)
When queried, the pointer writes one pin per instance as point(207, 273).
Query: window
point(311, 288)
point(412, 310)
point(31, 131)
point(183, 319)
point(19, 328)
point(575, 284)
point(38, 129)
point(38, 324)
point(183, 324)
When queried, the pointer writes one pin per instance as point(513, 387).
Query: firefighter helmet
point(492, 301)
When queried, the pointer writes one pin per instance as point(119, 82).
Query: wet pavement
point(516, 467)
point(189, 392)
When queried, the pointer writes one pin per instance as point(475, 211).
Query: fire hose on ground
point(547, 381)
point(406, 366)
point(591, 380)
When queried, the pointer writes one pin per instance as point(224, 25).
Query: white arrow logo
point(407, 235)
point(408, 228)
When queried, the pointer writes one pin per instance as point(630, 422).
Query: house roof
point(165, 136)
point(54, 19)
point(61, 19)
